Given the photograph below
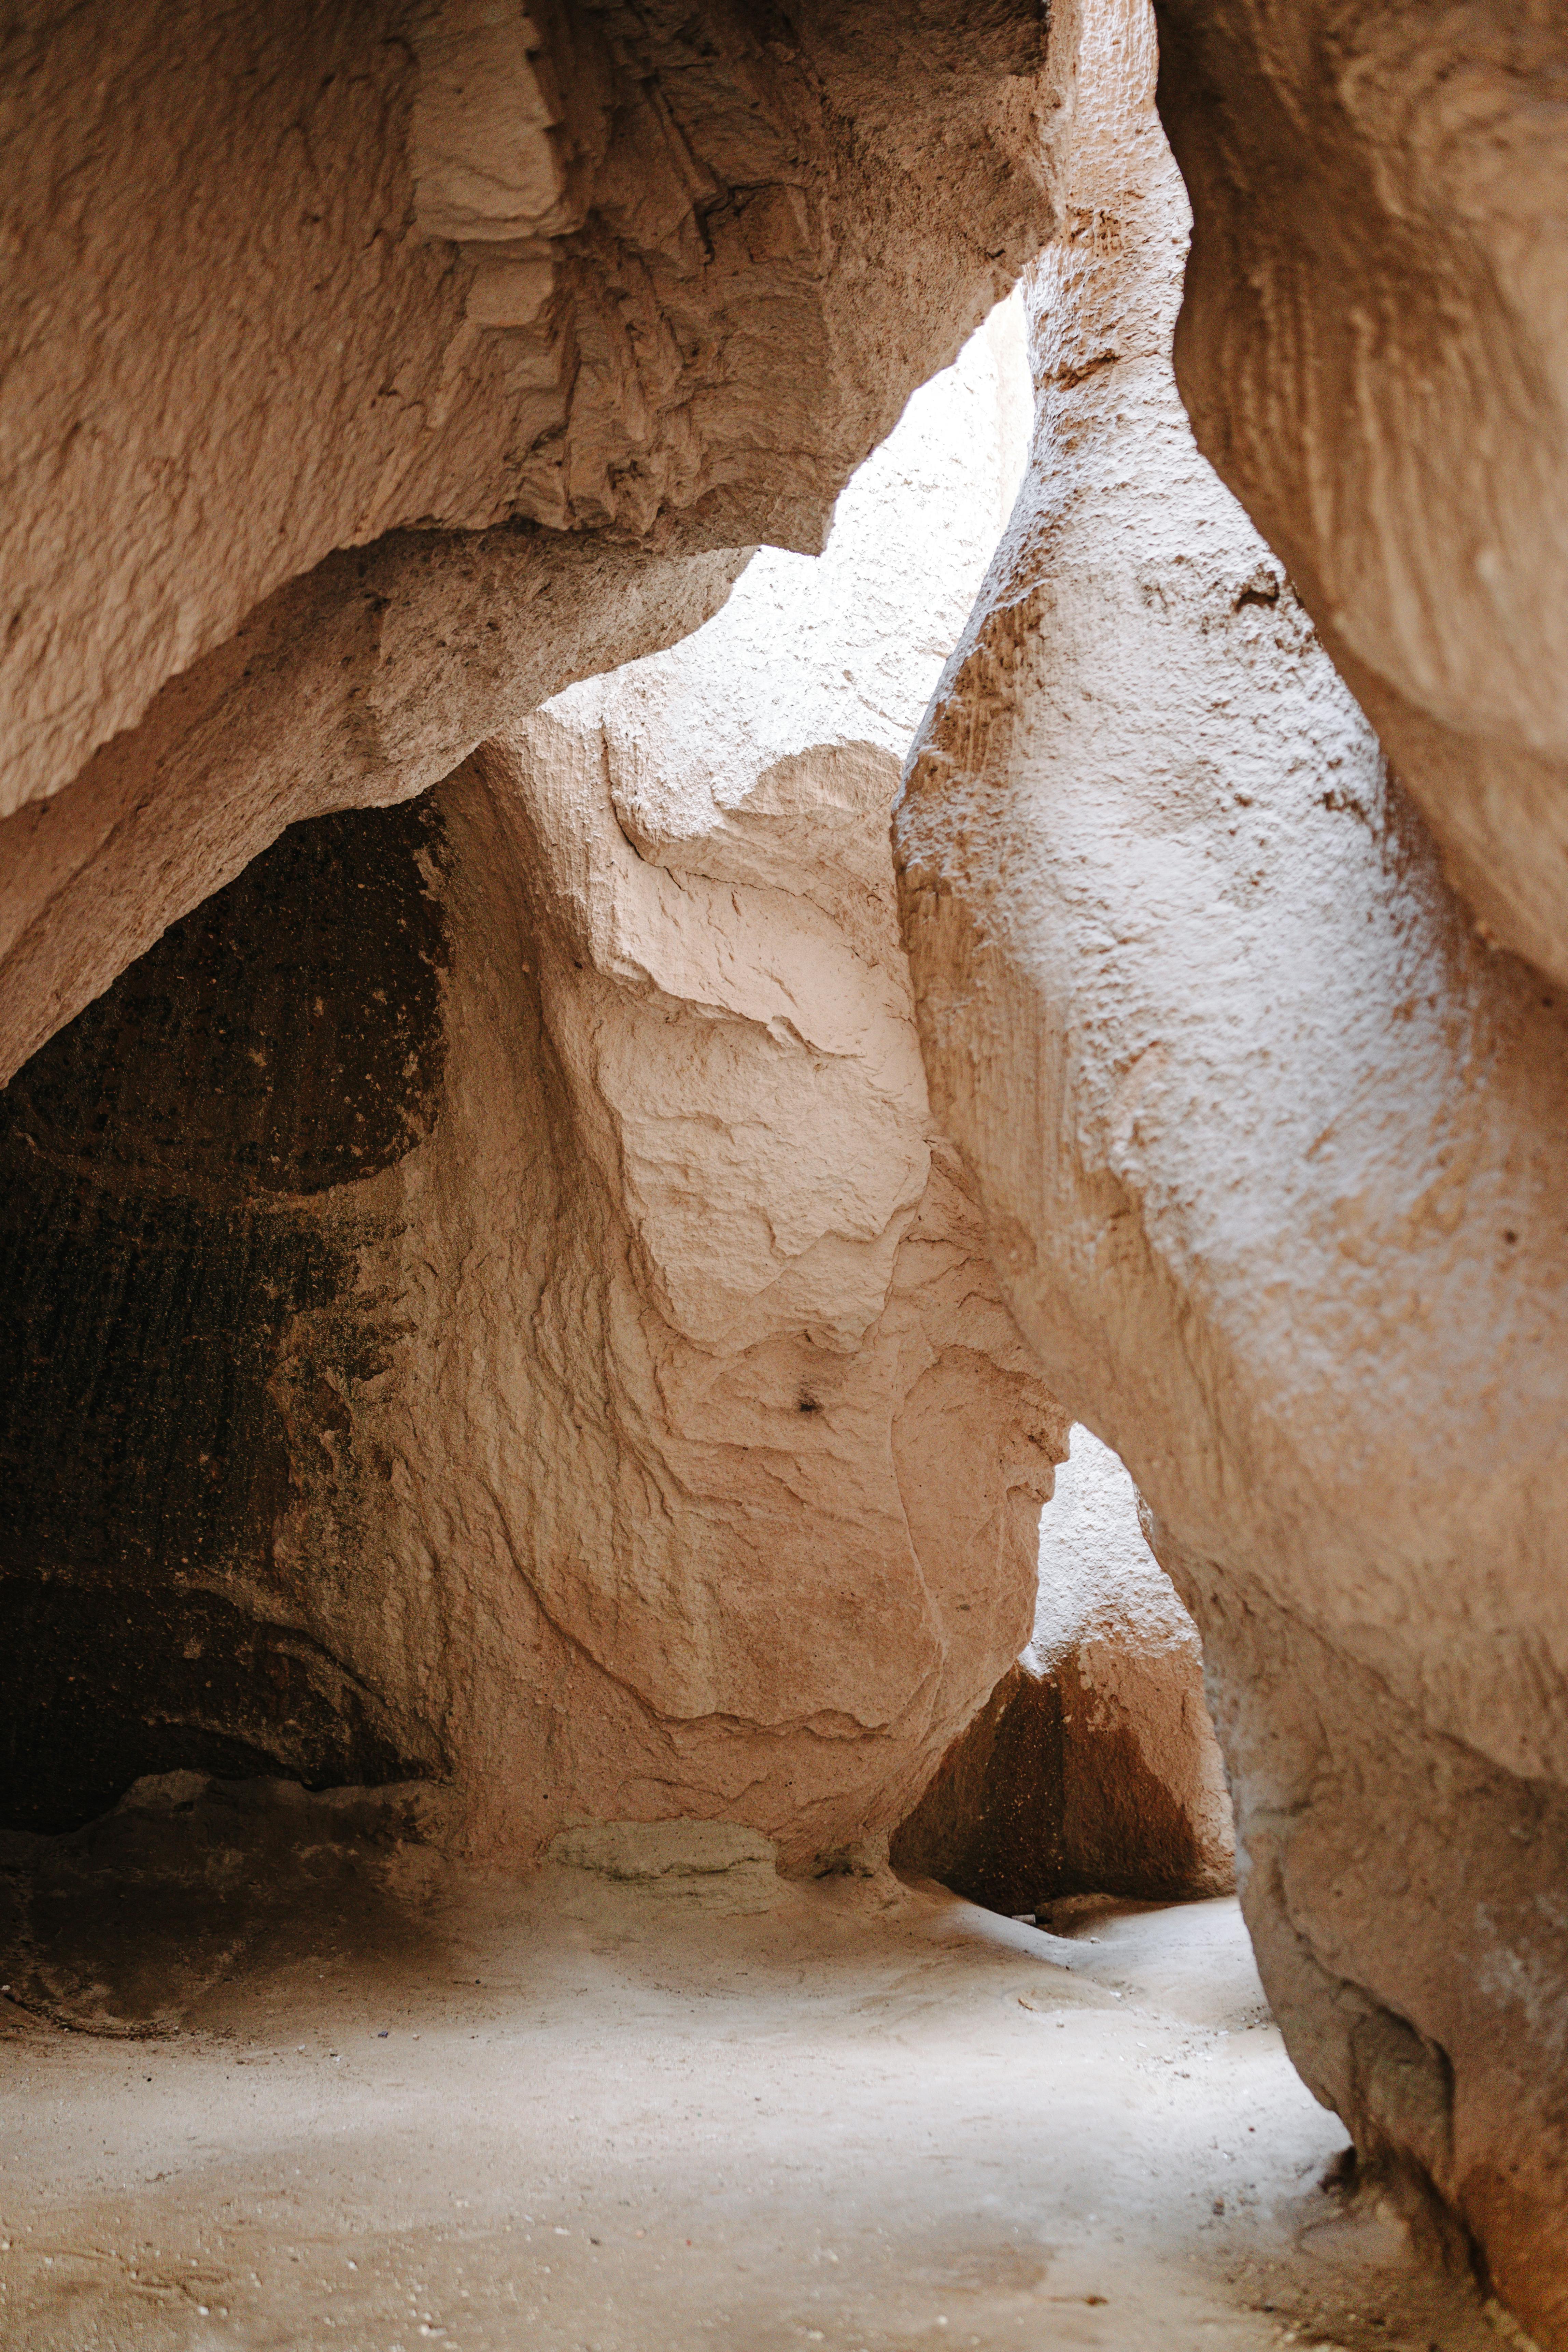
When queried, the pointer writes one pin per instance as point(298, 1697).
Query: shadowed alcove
point(195, 1176)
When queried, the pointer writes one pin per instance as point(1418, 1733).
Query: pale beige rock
point(770, 1451)
point(1373, 347)
point(282, 280)
point(486, 169)
point(580, 2108)
point(283, 284)
point(557, 1354)
point(713, 1863)
point(1145, 1810)
point(359, 685)
point(1271, 1146)
point(1093, 1769)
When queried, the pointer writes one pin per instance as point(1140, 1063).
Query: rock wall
point(554, 290)
point(485, 1295)
point(1269, 1143)
point(359, 685)
point(1144, 1805)
point(1373, 349)
point(1093, 1767)
point(492, 1303)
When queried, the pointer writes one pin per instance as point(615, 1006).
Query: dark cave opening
point(194, 1175)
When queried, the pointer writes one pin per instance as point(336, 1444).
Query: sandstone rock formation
point(486, 1296)
point(490, 1301)
point(1373, 347)
point(1093, 1768)
point(1145, 1810)
point(359, 685)
point(1271, 1148)
point(282, 284)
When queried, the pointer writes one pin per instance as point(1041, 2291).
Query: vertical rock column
point(1270, 1149)
point(1145, 1806)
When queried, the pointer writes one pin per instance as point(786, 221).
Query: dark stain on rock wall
point(990, 1823)
point(1036, 1800)
point(188, 1206)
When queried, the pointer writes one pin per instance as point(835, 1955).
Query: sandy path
point(583, 2114)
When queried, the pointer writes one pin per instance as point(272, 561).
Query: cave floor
point(576, 2113)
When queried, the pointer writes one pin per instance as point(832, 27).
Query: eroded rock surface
point(1271, 1146)
point(1145, 1810)
point(1093, 1767)
point(285, 282)
point(560, 291)
point(491, 1302)
point(359, 685)
point(1373, 347)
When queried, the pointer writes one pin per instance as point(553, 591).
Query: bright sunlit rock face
point(1270, 1148)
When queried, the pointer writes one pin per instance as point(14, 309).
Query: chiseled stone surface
point(558, 1353)
point(358, 686)
point(765, 1444)
point(1373, 349)
point(1271, 1145)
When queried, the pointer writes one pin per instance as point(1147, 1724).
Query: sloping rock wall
point(492, 1303)
point(358, 686)
point(1271, 1146)
point(1374, 350)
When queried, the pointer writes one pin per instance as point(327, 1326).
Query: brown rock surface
point(490, 1301)
point(1145, 1807)
point(286, 282)
point(1272, 1148)
point(1373, 347)
point(1093, 1767)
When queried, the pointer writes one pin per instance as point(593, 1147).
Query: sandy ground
point(307, 2090)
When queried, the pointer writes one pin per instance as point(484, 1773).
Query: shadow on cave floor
point(326, 2088)
point(135, 1925)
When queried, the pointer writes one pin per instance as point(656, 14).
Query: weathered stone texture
point(1093, 1767)
point(1270, 1147)
point(1144, 1805)
point(486, 1296)
point(367, 376)
point(282, 280)
point(1373, 347)
point(493, 1301)
point(359, 685)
